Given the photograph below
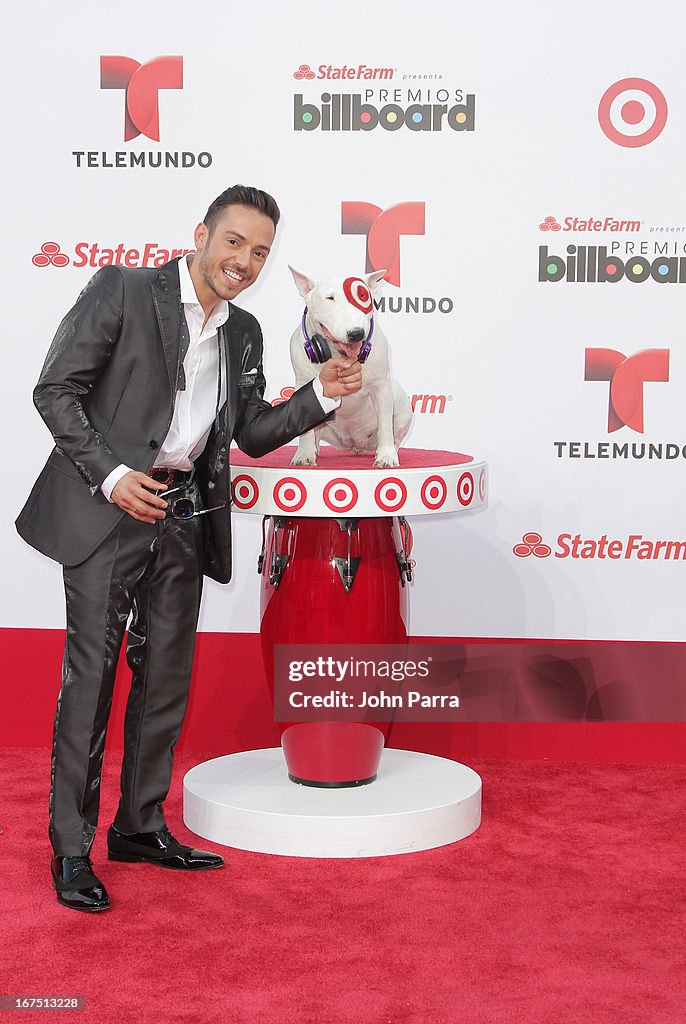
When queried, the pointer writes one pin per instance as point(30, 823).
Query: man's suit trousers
point(153, 571)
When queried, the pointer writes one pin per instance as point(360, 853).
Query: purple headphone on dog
point(356, 292)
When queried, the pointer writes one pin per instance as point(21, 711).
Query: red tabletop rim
point(335, 460)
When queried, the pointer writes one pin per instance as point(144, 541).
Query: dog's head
point(340, 309)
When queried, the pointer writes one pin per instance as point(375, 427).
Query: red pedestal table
point(335, 564)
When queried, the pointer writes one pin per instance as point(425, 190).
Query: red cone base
point(332, 755)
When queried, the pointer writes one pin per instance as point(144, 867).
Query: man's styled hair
point(242, 195)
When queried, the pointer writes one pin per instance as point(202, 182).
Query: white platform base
point(247, 801)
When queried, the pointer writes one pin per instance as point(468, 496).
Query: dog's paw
point(386, 458)
point(304, 459)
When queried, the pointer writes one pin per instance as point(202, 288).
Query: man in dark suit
point(152, 373)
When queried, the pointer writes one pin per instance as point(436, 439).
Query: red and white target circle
point(482, 484)
point(434, 492)
point(290, 494)
point(391, 494)
point(340, 494)
point(357, 294)
point(465, 489)
point(632, 112)
point(245, 491)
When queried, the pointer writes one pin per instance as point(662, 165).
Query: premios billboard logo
point(422, 108)
point(140, 84)
point(625, 377)
point(595, 264)
point(636, 258)
point(383, 230)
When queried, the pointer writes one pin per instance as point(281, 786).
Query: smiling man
point(150, 376)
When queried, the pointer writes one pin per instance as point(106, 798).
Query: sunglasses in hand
point(184, 508)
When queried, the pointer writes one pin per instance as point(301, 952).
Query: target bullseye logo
point(50, 256)
point(391, 494)
point(482, 485)
point(357, 294)
point(245, 491)
point(632, 112)
point(465, 489)
point(290, 494)
point(434, 492)
point(340, 495)
point(532, 544)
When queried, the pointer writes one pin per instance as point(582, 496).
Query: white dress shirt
point(195, 409)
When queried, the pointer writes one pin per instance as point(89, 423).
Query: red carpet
point(568, 906)
point(224, 716)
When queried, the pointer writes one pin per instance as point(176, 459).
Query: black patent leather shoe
point(77, 885)
point(159, 848)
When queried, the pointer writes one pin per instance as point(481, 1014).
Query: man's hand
point(340, 377)
point(132, 493)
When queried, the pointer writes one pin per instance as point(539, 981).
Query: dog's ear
point(373, 280)
point(303, 283)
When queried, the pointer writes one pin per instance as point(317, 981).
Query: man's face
point(231, 258)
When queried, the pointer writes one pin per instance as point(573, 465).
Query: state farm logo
point(626, 376)
point(575, 545)
point(421, 404)
point(141, 84)
point(580, 224)
point(284, 395)
point(532, 544)
point(50, 256)
point(346, 71)
point(382, 231)
point(93, 254)
point(632, 112)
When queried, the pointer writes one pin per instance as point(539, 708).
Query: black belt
point(172, 477)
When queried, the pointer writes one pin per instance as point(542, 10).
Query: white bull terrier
point(339, 320)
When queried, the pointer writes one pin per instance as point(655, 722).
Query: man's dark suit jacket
point(107, 393)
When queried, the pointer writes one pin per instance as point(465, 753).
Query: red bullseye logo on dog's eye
point(357, 294)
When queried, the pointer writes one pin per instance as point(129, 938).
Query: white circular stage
point(247, 801)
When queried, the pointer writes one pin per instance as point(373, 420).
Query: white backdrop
point(508, 359)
